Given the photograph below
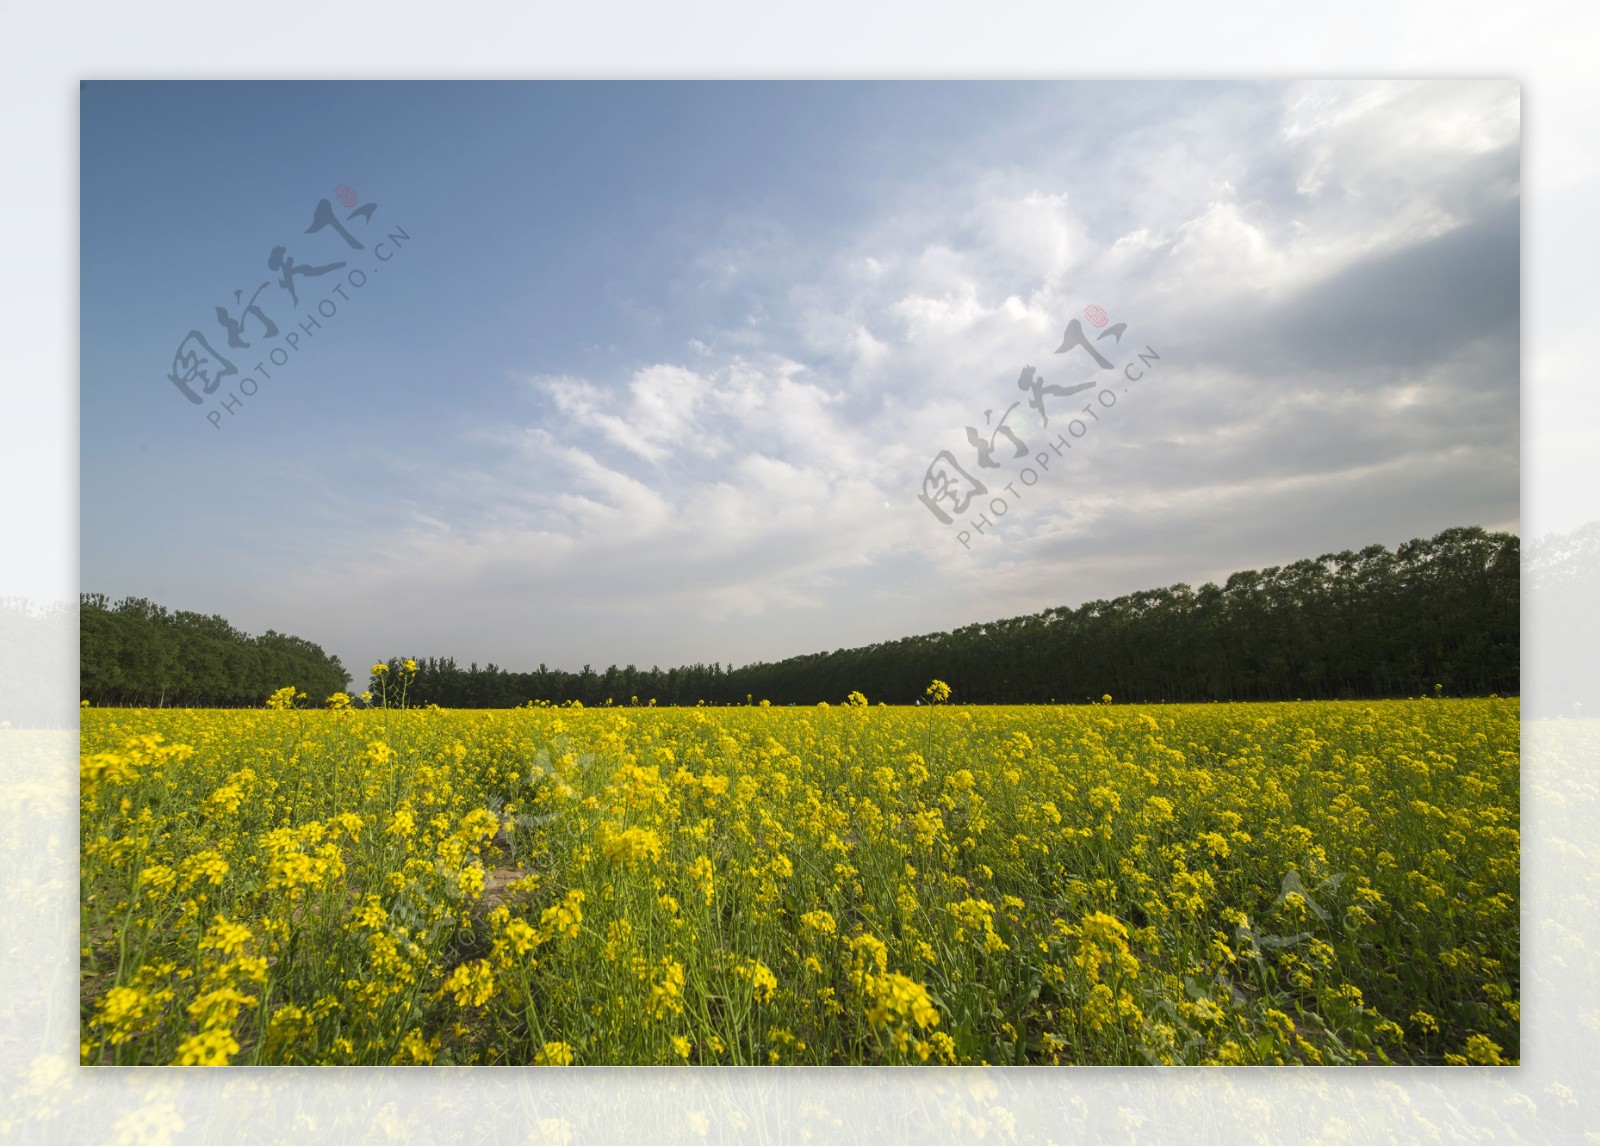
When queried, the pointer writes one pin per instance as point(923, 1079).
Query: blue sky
point(661, 369)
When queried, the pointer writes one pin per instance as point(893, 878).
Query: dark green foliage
point(137, 653)
point(1440, 612)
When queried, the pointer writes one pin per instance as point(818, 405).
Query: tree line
point(135, 652)
point(1434, 615)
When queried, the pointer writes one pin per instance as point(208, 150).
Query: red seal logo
point(346, 194)
point(1095, 314)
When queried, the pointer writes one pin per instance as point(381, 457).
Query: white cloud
point(659, 410)
point(729, 504)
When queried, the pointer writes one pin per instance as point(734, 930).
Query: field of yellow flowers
point(1321, 882)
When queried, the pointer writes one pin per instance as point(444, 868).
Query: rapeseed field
point(1293, 883)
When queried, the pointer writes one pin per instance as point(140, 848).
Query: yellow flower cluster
point(633, 845)
point(1330, 883)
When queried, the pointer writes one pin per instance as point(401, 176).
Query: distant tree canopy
point(1440, 612)
point(137, 653)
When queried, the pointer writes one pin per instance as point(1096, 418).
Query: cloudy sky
point(655, 373)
